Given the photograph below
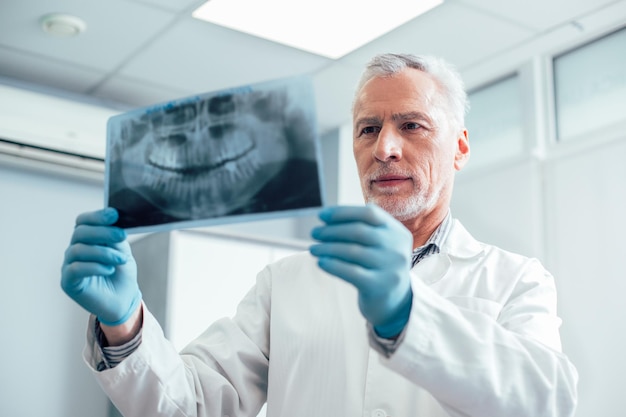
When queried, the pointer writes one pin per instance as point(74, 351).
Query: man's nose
point(388, 146)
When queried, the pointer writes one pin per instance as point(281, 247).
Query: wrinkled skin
point(407, 150)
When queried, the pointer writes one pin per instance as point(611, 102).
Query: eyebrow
point(411, 116)
point(368, 121)
point(377, 121)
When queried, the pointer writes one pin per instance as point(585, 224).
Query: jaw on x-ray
point(243, 151)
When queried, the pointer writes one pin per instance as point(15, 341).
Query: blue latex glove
point(370, 249)
point(99, 271)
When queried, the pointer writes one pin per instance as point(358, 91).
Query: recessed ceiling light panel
point(329, 28)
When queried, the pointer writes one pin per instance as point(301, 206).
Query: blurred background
point(547, 86)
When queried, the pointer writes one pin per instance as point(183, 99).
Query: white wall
point(42, 329)
point(586, 226)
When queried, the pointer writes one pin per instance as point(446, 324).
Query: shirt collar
point(435, 241)
point(438, 237)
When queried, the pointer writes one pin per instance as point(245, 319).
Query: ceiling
point(141, 52)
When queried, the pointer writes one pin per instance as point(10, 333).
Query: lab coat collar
point(460, 244)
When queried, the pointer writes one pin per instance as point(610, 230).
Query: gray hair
point(444, 74)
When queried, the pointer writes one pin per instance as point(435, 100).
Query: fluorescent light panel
point(331, 28)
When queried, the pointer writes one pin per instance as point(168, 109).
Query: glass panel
point(494, 123)
point(590, 86)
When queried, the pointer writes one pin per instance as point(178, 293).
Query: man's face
point(210, 158)
point(405, 146)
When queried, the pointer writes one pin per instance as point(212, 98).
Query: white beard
point(406, 208)
point(422, 199)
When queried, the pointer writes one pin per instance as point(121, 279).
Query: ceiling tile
point(458, 33)
point(46, 72)
point(606, 19)
point(177, 6)
point(555, 41)
point(201, 57)
point(137, 93)
point(116, 29)
point(538, 14)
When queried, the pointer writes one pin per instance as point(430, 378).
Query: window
point(495, 123)
point(590, 86)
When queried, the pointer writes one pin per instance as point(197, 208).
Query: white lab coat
point(482, 340)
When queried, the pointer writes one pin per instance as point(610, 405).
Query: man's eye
point(369, 130)
point(412, 126)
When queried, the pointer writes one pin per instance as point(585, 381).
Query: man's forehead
point(395, 96)
point(404, 87)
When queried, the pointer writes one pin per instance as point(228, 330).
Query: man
point(399, 311)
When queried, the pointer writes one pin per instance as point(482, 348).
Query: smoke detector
point(63, 25)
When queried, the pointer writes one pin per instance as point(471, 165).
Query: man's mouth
point(389, 180)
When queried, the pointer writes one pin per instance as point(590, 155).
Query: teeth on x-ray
point(250, 150)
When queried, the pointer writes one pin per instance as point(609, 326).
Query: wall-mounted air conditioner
point(52, 129)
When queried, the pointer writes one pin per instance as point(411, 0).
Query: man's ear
point(462, 150)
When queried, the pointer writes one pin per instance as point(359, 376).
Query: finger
point(368, 258)
point(84, 282)
point(124, 247)
point(370, 214)
point(98, 235)
point(99, 254)
point(103, 217)
point(360, 233)
point(356, 275)
point(74, 274)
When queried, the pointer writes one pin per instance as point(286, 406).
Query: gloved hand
point(370, 249)
point(99, 271)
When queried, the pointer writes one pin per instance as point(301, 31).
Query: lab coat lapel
point(432, 268)
point(459, 244)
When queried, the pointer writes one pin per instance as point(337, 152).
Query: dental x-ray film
point(241, 154)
